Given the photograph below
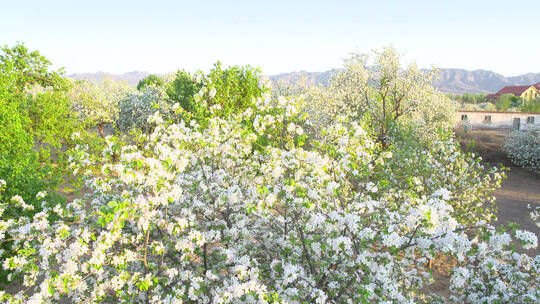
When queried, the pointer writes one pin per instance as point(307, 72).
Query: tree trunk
point(100, 130)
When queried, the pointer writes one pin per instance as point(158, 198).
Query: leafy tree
point(36, 121)
point(236, 87)
point(183, 89)
point(150, 80)
point(18, 161)
point(137, 107)
point(27, 68)
point(226, 91)
point(473, 98)
point(506, 101)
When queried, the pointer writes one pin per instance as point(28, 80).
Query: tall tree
point(377, 88)
point(35, 123)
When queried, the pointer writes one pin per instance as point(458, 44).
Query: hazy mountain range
point(449, 81)
point(132, 78)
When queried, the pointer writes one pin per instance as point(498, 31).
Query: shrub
point(136, 107)
point(523, 148)
point(532, 105)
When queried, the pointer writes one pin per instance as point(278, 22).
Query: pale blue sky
point(279, 36)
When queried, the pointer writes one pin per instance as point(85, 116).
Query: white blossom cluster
point(376, 87)
point(241, 212)
point(420, 171)
point(523, 148)
point(534, 213)
point(136, 107)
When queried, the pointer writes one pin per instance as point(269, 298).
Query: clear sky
point(279, 36)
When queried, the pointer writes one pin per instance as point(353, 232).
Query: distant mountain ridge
point(479, 81)
point(132, 78)
point(310, 78)
point(457, 81)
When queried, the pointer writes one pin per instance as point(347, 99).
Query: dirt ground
point(519, 189)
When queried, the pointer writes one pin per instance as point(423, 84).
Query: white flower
point(371, 187)
point(460, 277)
point(291, 127)
point(527, 237)
point(75, 136)
point(212, 92)
point(290, 273)
point(443, 193)
point(17, 199)
point(392, 239)
point(332, 185)
point(41, 194)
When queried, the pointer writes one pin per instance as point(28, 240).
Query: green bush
point(531, 106)
point(225, 91)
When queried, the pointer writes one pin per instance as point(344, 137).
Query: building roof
point(492, 96)
point(515, 90)
point(537, 86)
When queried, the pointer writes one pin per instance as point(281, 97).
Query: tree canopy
point(150, 80)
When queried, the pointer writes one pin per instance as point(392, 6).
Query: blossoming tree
point(97, 103)
point(197, 215)
point(376, 87)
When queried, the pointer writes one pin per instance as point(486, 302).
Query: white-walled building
point(498, 120)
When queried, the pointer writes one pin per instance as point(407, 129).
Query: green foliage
point(18, 161)
point(531, 106)
point(150, 80)
point(35, 123)
point(183, 89)
point(507, 101)
point(236, 87)
point(468, 98)
point(504, 102)
point(230, 90)
point(27, 68)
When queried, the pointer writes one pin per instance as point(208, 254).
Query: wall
point(530, 93)
point(499, 120)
